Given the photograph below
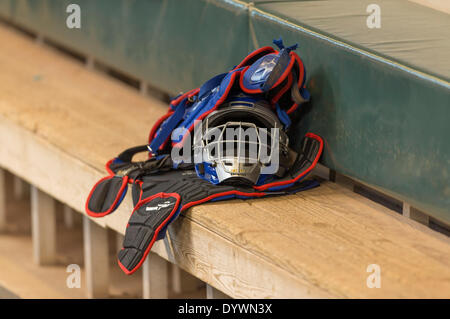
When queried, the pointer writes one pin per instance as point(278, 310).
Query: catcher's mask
point(242, 142)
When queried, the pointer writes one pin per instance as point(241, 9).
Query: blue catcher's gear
point(254, 102)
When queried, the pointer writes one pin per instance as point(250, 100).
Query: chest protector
point(187, 166)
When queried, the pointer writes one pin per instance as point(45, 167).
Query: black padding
point(106, 195)
point(130, 258)
point(193, 189)
point(309, 150)
point(147, 220)
point(127, 155)
point(186, 183)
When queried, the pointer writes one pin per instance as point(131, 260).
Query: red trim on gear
point(116, 200)
point(183, 96)
point(285, 73)
point(201, 117)
point(193, 93)
point(316, 159)
point(283, 90)
point(292, 108)
point(301, 67)
point(300, 79)
point(254, 54)
point(278, 82)
point(157, 230)
point(158, 124)
point(107, 166)
point(155, 128)
point(243, 88)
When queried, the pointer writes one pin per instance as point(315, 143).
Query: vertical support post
point(43, 227)
point(2, 199)
point(183, 282)
point(415, 214)
point(19, 188)
point(96, 259)
point(68, 217)
point(155, 275)
point(39, 39)
point(143, 88)
point(213, 293)
point(90, 63)
point(406, 210)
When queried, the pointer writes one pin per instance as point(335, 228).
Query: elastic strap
point(127, 155)
point(167, 128)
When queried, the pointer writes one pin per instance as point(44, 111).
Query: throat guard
point(260, 94)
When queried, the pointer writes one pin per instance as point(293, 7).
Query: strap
point(282, 115)
point(167, 128)
point(280, 45)
point(299, 96)
point(127, 155)
point(283, 63)
point(210, 84)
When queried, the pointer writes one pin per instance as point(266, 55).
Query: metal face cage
point(241, 142)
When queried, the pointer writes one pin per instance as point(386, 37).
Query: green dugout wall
point(380, 97)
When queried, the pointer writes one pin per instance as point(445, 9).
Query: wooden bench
point(59, 124)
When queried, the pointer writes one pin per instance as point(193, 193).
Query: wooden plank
point(313, 244)
point(155, 278)
point(43, 227)
point(2, 199)
point(440, 5)
point(96, 259)
point(213, 293)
